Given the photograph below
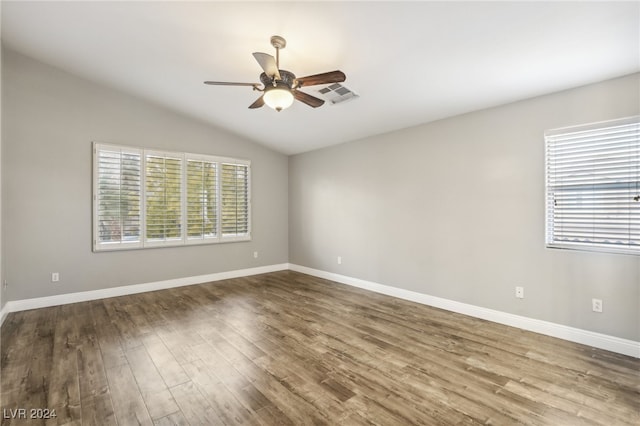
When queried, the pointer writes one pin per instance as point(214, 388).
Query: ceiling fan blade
point(258, 103)
point(312, 101)
point(229, 83)
point(324, 78)
point(268, 64)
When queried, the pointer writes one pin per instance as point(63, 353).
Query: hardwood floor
point(288, 348)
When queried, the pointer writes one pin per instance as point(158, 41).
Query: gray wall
point(455, 209)
point(50, 119)
point(2, 298)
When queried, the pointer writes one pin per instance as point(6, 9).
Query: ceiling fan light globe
point(278, 98)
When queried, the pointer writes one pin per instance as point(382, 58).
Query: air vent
point(337, 93)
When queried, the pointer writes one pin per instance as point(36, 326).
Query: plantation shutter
point(163, 197)
point(146, 198)
point(593, 186)
point(235, 200)
point(202, 203)
point(117, 197)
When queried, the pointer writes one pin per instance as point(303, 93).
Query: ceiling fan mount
point(281, 87)
point(278, 42)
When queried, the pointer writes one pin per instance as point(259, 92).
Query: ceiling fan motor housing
point(287, 77)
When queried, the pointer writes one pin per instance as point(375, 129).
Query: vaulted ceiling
point(409, 62)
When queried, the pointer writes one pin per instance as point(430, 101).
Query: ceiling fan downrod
point(279, 43)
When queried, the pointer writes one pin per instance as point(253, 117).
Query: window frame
point(598, 130)
point(184, 239)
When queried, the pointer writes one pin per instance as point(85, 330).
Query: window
point(163, 198)
point(235, 189)
point(593, 186)
point(202, 199)
point(145, 198)
point(117, 200)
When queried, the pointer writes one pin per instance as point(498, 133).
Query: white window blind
point(235, 200)
point(202, 199)
point(163, 197)
point(593, 186)
point(145, 198)
point(117, 197)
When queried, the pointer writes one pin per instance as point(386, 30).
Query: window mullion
point(183, 199)
point(143, 199)
point(219, 173)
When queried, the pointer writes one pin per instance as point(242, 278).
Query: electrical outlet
point(596, 305)
point(520, 292)
point(255, 254)
point(55, 277)
point(339, 260)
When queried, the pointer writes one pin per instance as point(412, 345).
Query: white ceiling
point(410, 62)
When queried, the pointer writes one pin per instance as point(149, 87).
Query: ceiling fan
point(281, 87)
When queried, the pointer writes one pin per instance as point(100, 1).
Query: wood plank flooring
point(289, 349)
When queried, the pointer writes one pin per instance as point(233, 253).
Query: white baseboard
point(3, 313)
point(63, 299)
point(585, 337)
